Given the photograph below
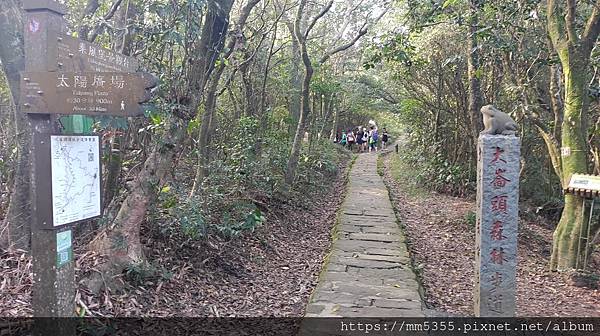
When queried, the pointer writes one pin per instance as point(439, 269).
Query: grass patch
point(335, 231)
point(402, 173)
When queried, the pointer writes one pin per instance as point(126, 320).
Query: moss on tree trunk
point(573, 44)
point(568, 232)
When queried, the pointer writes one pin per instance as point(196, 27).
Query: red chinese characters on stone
point(498, 152)
point(499, 203)
point(497, 256)
point(496, 231)
point(499, 179)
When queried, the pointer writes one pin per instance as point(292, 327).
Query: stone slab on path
point(368, 273)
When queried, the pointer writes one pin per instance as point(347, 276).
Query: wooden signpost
point(75, 55)
point(64, 76)
point(90, 93)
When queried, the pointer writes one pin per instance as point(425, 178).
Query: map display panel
point(75, 164)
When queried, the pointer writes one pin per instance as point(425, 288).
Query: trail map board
point(75, 164)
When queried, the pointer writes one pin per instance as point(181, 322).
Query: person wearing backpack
point(344, 140)
point(373, 137)
point(384, 138)
point(359, 139)
point(351, 139)
point(365, 139)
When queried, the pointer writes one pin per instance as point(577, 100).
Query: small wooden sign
point(586, 182)
point(587, 186)
point(87, 93)
point(66, 53)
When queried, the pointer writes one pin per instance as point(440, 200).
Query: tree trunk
point(123, 39)
point(295, 79)
point(250, 97)
point(475, 100)
point(210, 104)
point(123, 35)
point(15, 230)
point(336, 120)
point(326, 119)
point(566, 237)
point(120, 240)
point(292, 163)
point(204, 135)
point(113, 170)
point(208, 49)
point(574, 50)
point(264, 116)
point(300, 37)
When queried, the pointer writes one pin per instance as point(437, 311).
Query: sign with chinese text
point(75, 55)
point(585, 182)
point(497, 217)
point(75, 166)
point(87, 93)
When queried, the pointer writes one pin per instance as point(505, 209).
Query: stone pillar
point(498, 158)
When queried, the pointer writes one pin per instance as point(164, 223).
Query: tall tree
point(574, 47)
point(120, 240)
point(211, 95)
point(15, 230)
point(473, 56)
point(301, 35)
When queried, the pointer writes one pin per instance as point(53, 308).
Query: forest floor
point(441, 234)
point(270, 272)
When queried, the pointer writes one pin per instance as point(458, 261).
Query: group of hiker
point(366, 139)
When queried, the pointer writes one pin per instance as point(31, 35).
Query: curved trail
point(368, 273)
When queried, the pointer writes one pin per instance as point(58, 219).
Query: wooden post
point(53, 292)
point(56, 64)
point(497, 225)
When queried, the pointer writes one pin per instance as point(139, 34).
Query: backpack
point(351, 137)
point(375, 135)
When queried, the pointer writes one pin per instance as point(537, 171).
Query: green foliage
point(429, 65)
point(230, 228)
point(4, 90)
point(198, 217)
point(436, 172)
point(395, 48)
point(319, 164)
point(471, 219)
point(191, 220)
point(428, 149)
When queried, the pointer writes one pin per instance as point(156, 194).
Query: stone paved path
point(368, 273)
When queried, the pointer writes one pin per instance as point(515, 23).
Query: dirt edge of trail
point(268, 273)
